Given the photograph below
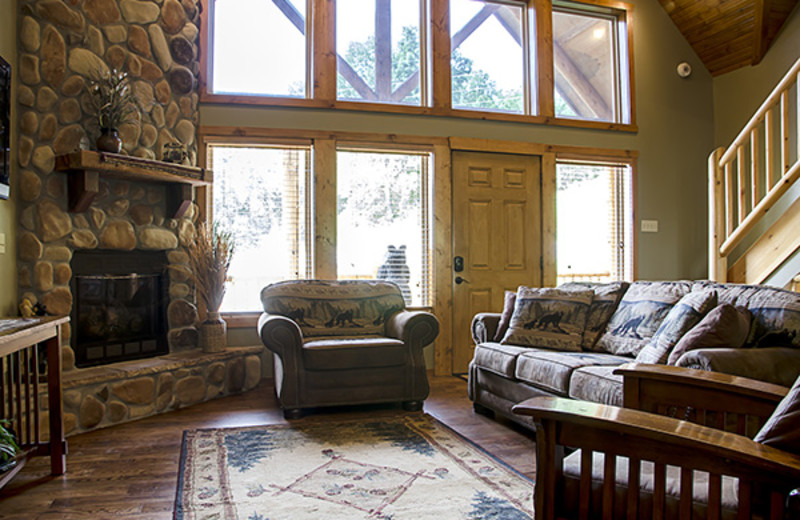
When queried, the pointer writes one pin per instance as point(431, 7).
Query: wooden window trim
point(322, 69)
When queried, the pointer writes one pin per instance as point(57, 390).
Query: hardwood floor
point(130, 471)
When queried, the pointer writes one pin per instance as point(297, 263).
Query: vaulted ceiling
point(729, 34)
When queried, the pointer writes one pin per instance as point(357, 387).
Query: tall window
point(259, 47)
point(380, 54)
point(383, 219)
point(594, 236)
point(590, 55)
point(489, 55)
point(259, 195)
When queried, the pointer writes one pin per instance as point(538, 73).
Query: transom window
point(591, 63)
point(594, 213)
point(379, 51)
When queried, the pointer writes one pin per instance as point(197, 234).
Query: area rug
point(408, 467)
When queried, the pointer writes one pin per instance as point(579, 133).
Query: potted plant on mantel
point(209, 259)
point(114, 104)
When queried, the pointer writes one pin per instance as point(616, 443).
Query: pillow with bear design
point(549, 318)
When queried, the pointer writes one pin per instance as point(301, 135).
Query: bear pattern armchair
point(345, 343)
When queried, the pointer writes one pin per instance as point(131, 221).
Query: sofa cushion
point(782, 429)
point(549, 318)
point(639, 314)
point(509, 299)
point(725, 326)
point(597, 384)
point(679, 320)
point(498, 358)
point(349, 353)
point(776, 312)
point(334, 308)
point(605, 301)
point(551, 371)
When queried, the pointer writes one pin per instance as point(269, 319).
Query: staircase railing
point(751, 175)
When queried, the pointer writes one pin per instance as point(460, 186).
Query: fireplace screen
point(118, 317)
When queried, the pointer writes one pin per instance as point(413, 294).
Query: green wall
point(675, 135)
point(8, 218)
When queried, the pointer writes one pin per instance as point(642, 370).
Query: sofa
point(343, 343)
point(567, 341)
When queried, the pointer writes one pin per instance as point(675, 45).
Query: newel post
point(717, 264)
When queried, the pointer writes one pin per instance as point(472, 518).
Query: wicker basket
point(212, 333)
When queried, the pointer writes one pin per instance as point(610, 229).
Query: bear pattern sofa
point(345, 342)
point(568, 341)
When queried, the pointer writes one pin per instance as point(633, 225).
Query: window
point(489, 56)
point(259, 195)
point(594, 236)
point(259, 47)
point(383, 219)
point(590, 55)
point(379, 48)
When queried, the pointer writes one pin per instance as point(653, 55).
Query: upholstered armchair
point(344, 343)
point(632, 463)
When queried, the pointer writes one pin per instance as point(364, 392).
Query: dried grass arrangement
point(210, 257)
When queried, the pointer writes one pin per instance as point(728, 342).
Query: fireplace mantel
point(84, 169)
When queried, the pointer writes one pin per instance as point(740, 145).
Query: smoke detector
point(684, 70)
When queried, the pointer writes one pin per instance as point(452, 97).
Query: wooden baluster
point(37, 439)
point(797, 130)
point(585, 489)
point(18, 392)
point(609, 483)
point(687, 486)
point(719, 420)
point(28, 410)
point(714, 496)
point(729, 198)
point(776, 506)
point(741, 424)
point(755, 143)
point(745, 500)
point(659, 490)
point(740, 170)
point(784, 132)
point(634, 473)
point(2, 387)
point(769, 150)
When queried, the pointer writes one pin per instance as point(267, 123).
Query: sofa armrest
point(484, 326)
point(280, 334)
point(417, 329)
point(777, 365)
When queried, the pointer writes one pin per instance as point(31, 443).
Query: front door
point(497, 234)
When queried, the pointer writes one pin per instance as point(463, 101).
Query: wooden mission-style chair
point(685, 453)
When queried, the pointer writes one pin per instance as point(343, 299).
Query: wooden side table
point(19, 389)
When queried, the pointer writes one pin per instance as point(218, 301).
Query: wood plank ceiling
point(729, 34)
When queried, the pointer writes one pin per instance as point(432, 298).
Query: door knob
point(460, 280)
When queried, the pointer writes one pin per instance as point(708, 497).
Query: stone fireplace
point(62, 45)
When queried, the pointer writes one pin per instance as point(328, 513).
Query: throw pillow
point(605, 301)
point(680, 319)
point(549, 318)
point(638, 316)
point(782, 429)
point(725, 326)
point(509, 299)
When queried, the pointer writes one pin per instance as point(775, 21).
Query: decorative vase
point(212, 333)
point(109, 141)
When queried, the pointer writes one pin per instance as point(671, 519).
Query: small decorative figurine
point(173, 153)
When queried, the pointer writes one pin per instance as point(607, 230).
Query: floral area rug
point(398, 468)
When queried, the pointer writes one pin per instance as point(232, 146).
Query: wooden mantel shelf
point(84, 169)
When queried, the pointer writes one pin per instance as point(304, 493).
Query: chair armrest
point(484, 326)
point(280, 334)
point(646, 436)
point(777, 365)
point(417, 329)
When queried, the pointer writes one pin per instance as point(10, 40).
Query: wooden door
point(497, 231)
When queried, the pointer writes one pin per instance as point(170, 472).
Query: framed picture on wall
point(5, 128)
